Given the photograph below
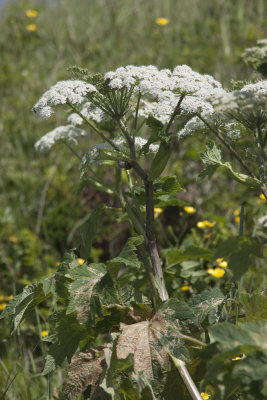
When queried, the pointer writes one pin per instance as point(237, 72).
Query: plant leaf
point(85, 369)
point(88, 232)
point(159, 161)
point(211, 158)
point(67, 336)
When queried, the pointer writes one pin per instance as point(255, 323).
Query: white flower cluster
point(195, 125)
point(165, 88)
point(68, 133)
point(89, 111)
point(73, 91)
point(251, 98)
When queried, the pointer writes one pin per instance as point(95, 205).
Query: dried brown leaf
point(149, 342)
point(85, 369)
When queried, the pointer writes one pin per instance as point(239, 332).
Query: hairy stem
point(150, 230)
point(177, 111)
point(152, 243)
point(188, 381)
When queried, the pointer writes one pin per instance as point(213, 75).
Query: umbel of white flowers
point(157, 93)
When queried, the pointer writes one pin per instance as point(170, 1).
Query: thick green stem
point(151, 241)
point(150, 231)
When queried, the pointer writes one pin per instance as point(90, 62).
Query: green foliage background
point(40, 199)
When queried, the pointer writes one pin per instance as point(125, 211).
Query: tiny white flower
point(68, 133)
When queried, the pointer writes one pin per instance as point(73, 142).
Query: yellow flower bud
point(157, 211)
point(31, 13)
point(189, 210)
point(31, 27)
point(185, 288)
point(162, 21)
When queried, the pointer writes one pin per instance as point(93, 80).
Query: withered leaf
point(85, 369)
point(150, 342)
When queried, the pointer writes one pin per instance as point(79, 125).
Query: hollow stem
point(150, 237)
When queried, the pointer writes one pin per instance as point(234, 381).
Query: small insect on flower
point(44, 333)
point(81, 261)
point(31, 28)
point(190, 210)
point(216, 272)
point(157, 211)
point(205, 396)
point(31, 13)
point(162, 21)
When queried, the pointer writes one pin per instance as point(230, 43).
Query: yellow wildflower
point(157, 211)
point(13, 239)
point(222, 263)
point(2, 298)
point(58, 263)
point(8, 298)
point(162, 21)
point(237, 212)
point(262, 198)
point(44, 333)
point(189, 210)
point(203, 224)
point(209, 223)
point(216, 272)
point(31, 27)
point(185, 288)
point(237, 358)
point(81, 261)
point(205, 396)
point(31, 13)
point(3, 306)
point(237, 219)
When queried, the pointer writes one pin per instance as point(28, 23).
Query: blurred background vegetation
point(40, 196)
